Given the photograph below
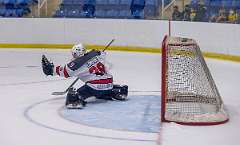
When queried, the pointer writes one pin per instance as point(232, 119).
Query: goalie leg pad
point(87, 92)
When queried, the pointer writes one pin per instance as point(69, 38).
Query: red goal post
point(189, 93)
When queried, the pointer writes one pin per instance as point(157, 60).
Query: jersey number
point(99, 68)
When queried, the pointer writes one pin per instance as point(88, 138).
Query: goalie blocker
point(90, 68)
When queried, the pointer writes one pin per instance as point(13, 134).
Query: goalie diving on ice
point(90, 68)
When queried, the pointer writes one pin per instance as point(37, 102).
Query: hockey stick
point(64, 92)
point(108, 44)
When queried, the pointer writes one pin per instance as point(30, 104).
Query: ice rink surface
point(31, 115)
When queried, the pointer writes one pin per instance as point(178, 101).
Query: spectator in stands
point(136, 8)
point(192, 14)
point(89, 8)
point(194, 3)
point(200, 13)
point(187, 13)
point(221, 15)
point(212, 16)
point(176, 15)
point(232, 16)
point(238, 14)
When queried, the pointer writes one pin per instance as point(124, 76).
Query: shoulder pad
point(78, 62)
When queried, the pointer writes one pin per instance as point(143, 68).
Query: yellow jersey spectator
point(232, 16)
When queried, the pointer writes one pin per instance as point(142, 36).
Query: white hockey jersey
point(90, 68)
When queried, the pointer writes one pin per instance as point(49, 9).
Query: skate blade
point(70, 106)
point(120, 98)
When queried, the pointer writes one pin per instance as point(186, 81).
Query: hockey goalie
point(90, 68)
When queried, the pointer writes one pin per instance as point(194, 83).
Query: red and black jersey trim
point(101, 81)
point(66, 75)
point(58, 70)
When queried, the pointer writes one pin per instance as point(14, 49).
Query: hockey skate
point(120, 97)
point(73, 100)
point(120, 92)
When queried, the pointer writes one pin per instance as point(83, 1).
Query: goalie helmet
point(78, 50)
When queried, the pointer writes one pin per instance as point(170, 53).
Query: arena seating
point(151, 8)
point(226, 3)
point(213, 6)
point(15, 8)
point(138, 9)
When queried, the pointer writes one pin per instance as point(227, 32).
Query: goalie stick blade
point(62, 93)
point(59, 93)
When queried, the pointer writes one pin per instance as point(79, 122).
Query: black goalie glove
point(47, 66)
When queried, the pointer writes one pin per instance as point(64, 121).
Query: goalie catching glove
point(47, 66)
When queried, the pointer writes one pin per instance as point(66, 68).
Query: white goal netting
point(190, 95)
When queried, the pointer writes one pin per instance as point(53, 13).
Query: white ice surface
point(30, 114)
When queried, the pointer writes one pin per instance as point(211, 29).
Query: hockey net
point(189, 94)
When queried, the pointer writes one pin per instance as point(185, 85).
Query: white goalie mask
point(78, 50)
